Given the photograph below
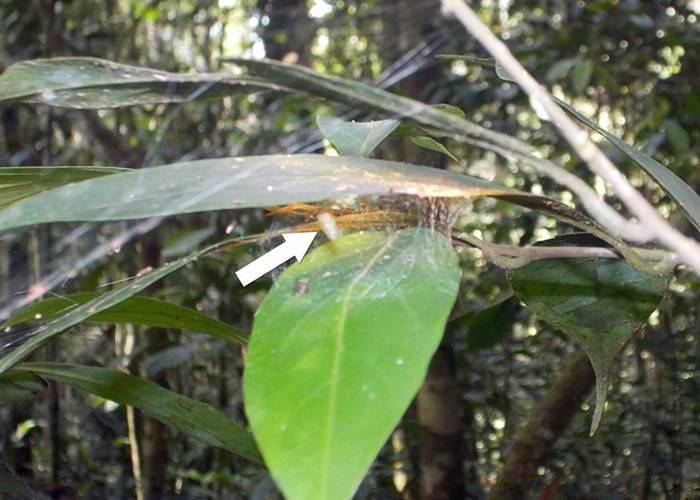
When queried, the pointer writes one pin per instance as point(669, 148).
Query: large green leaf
point(20, 182)
point(146, 311)
point(88, 83)
point(597, 302)
point(687, 199)
point(339, 348)
point(355, 138)
point(197, 419)
point(255, 181)
point(260, 181)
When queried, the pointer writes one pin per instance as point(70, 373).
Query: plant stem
point(512, 257)
point(688, 249)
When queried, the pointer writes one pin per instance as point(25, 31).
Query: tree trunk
point(546, 423)
point(154, 446)
point(439, 413)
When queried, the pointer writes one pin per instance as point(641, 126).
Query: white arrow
point(295, 245)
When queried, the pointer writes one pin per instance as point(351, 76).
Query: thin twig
point(594, 205)
point(512, 257)
point(688, 250)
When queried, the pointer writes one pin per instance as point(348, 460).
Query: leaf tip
point(601, 394)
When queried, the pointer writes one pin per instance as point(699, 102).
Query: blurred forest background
point(506, 405)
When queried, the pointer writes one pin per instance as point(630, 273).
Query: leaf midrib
point(338, 348)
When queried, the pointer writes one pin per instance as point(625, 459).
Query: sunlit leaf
point(597, 302)
point(192, 417)
point(145, 311)
point(20, 182)
point(263, 181)
point(333, 364)
point(355, 138)
point(88, 83)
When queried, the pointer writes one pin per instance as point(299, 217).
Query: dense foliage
point(460, 321)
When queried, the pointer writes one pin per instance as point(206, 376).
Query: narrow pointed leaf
point(333, 365)
point(351, 92)
point(145, 311)
point(355, 138)
point(20, 182)
point(38, 336)
point(597, 302)
point(263, 181)
point(581, 74)
point(19, 386)
point(255, 181)
point(89, 83)
point(426, 142)
point(687, 199)
point(199, 420)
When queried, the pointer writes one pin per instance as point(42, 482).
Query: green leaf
point(687, 199)
point(20, 182)
point(488, 326)
point(597, 302)
point(560, 69)
point(425, 142)
point(338, 89)
point(581, 74)
point(352, 92)
point(355, 138)
point(54, 327)
point(255, 181)
point(89, 83)
point(19, 387)
point(332, 367)
point(145, 311)
point(677, 136)
point(263, 181)
point(449, 108)
point(192, 417)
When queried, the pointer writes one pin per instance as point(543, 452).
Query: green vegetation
point(474, 279)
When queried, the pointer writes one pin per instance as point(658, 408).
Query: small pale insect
point(328, 225)
point(301, 286)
